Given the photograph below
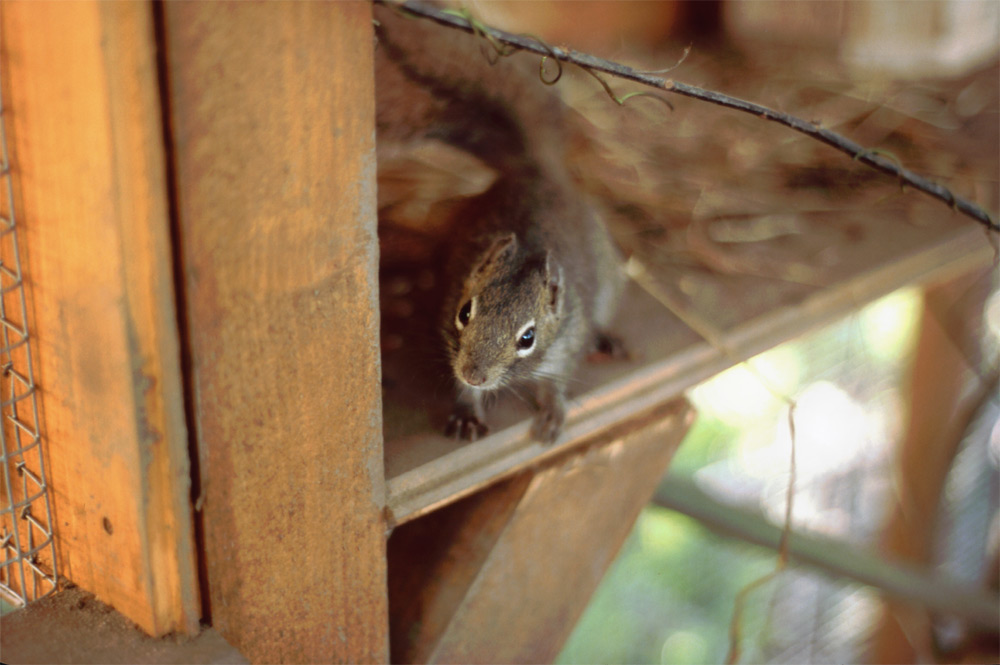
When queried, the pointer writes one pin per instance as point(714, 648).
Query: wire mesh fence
point(27, 550)
point(670, 596)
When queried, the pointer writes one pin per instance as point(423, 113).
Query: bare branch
point(594, 64)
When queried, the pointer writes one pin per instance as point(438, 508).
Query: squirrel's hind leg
point(607, 348)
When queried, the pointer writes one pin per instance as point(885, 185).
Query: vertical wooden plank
point(503, 576)
point(943, 396)
point(83, 112)
point(272, 106)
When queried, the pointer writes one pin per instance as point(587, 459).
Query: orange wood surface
point(503, 576)
point(272, 111)
point(943, 396)
point(83, 115)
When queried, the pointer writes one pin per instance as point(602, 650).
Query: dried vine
point(593, 64)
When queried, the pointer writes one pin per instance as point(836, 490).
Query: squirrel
point(533, 278)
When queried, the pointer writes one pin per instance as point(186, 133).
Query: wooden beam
point(83, 114)
point(425, 470)
point(944, 392)
point(272, 109)
point(504, 575)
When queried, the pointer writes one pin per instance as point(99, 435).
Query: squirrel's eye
point(527, 339)
point(465, 314)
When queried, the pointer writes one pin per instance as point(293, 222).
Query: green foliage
point(668, 596)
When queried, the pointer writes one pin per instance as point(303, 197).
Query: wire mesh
point(27, 550)
point(680, 581)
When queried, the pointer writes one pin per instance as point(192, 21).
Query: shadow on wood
point(503, 575)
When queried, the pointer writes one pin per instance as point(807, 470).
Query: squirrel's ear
point(419, 181)
point(501, 249)
point(554, 282)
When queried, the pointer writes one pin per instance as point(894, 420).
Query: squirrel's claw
point(465, 426)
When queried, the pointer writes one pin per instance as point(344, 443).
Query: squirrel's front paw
point(463, 424)
point(549, 423)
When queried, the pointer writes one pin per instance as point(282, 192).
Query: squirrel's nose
point(473, 375)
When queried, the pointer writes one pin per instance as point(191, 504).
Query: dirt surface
point(74, 627)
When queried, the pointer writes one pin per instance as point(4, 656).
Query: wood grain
point(503, 576)
point(272, 107)
point(83, 113)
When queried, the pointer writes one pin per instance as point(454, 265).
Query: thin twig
point(736, 623)
point(739, 603)
point(637, 271)
point(593, 64)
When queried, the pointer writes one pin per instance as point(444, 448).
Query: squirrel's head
point(507, 315)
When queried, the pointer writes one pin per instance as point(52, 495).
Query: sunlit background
point(669, 597)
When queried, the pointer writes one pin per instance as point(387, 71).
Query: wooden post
point(272, 108)
point(941, 406)
point(83, 115)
